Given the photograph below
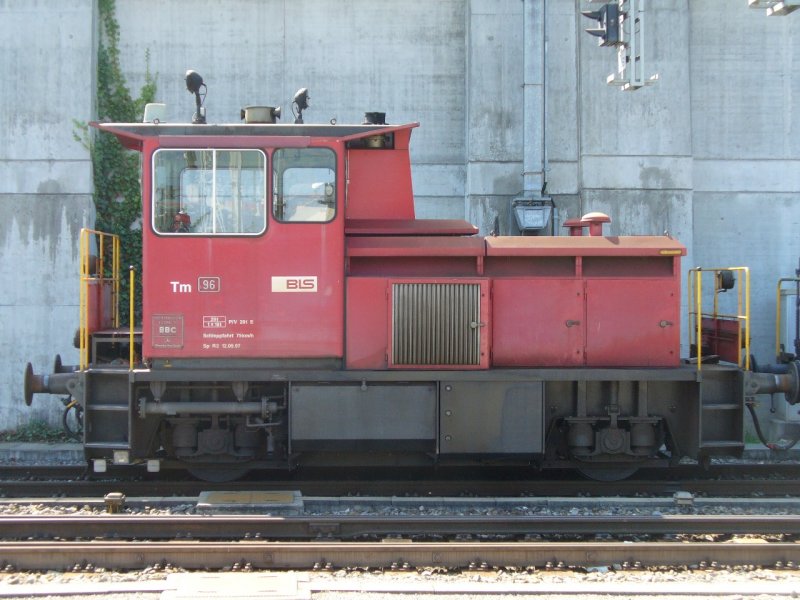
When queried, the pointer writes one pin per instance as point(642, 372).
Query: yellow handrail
point(132, 317)
point(695, 292)
point(781, 281)
point(116, 277)
point(99, 275)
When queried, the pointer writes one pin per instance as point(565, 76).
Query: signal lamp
point(300, 102)
point(194, 83)
point(607, 28)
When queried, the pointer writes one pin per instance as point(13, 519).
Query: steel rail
point(238, 527)
point(766, 480)
point(759, 487)
point(304, 555)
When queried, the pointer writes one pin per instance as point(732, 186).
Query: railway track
point(776, 480)
point(411, 527)
point(394, 542)
point(385, 554)
point(402, 542)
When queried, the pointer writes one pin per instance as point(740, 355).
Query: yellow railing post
point(747, 319)
point(115, 301)
point(699, 318)
point(778, 319)
point(130, 308)
point(84, 269)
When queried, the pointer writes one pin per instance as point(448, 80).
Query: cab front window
point(304, 185)
point(209, 192)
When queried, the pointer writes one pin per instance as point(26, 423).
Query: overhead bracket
point(775, 8)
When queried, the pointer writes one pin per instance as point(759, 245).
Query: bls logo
point(299, 283)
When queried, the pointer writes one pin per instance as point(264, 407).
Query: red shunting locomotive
point(295, 312)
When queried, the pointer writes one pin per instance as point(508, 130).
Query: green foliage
point(117, 192)
point(35, 431)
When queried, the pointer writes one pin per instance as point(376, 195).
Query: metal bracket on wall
point(775, 8)
point(630, 54)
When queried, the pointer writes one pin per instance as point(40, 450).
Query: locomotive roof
point(133, 134)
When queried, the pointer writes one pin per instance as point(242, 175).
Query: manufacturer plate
point(167, 331)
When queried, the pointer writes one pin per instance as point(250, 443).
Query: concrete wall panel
point(644, 173)
point(495, 82)
point(433, 180)
point(45, 176)
point(39, 296)
point(562, 84)
point(562, 177)
point(746, 175)
point(743, 83)
point(439, 207)
point(45, 187)
point(494, 113)
point(562, 90)
point(47, 67)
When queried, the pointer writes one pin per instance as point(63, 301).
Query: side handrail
point(97, 273)
point(695, 301)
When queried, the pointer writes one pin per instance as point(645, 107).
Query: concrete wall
point(45, 187)
point(709, 153)
point(746, 200)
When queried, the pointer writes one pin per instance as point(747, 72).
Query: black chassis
point(317, 413)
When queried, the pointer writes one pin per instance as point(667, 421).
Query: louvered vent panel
point(436, 324)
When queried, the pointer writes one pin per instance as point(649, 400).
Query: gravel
point(377, 584)
point(426, 507)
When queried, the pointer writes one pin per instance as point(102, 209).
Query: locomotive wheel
point(607, 472)
point(218, 473)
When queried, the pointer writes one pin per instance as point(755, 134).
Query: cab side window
point(209, 192)
point(304, 185)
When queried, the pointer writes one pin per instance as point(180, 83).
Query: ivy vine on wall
point(117, 191)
